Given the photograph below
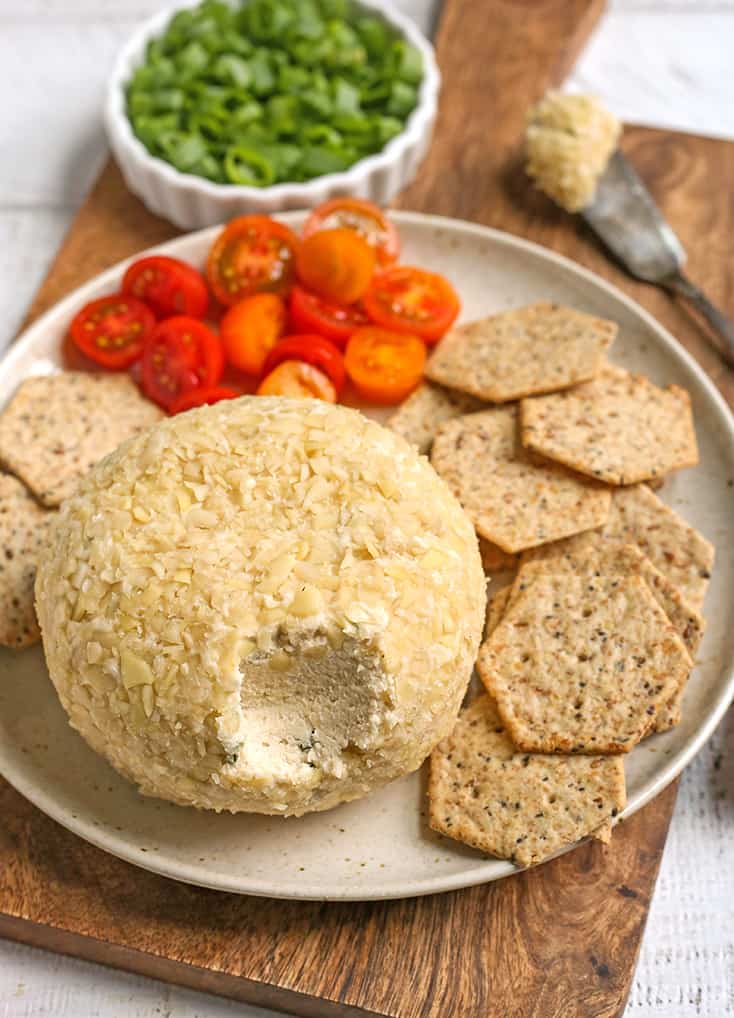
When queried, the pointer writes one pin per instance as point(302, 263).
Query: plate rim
point(670, 769)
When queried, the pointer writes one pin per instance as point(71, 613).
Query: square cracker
point(582, 664)
point(515, 805)
point(587, 554)
point(619, 428)
point(540, 348)
point(679, 551)
point(23, 528)
point(512, 499)
point(58, 426)
point(417, 419)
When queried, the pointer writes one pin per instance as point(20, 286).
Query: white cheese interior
point(307, 706)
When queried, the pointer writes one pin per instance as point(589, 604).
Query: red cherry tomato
point(311, 349)
point(363, 216)
point(411, 300)
point(202, 395)
point(299, 381)
point(251, 254)
point(336, 264)
point(168, 286)
point(181, 354)
point(337, 322)
point(251, 328)
point(384, 366)
point(112, 331)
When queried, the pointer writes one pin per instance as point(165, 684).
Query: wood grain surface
point(557, 942)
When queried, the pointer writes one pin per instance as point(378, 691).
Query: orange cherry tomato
point(168, 286)
point(250, 329)
point(202, 395)
point(311, 349)
point(112, 330)
point(384, 366)
point(336, 264)
point(251, 254)
point(336, 322)
point(363, 216)
point(299, 380)
point(412, 300)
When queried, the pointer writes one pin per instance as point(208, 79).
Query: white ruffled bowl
point(192, 202)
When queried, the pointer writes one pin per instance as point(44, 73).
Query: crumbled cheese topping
point(256, 577)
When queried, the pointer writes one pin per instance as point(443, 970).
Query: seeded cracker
point(540, 348)
point(681, 554)
point(418, 418)
point(584, 554)
point(513, 500)
point(58, 426)
point(582, 664)
point(619, 428)
point(587, 552)
point(23, 526)
point(515, 805)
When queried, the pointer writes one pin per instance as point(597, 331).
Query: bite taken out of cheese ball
point(266, 605)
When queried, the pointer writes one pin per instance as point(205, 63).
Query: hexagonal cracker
point(583, 664)
point(513, 499)
point(618, 428)
point(540, 348)
point(676, 548)
point(23, 526)
point(516, 805)
point(56, 427)
point(418, 417)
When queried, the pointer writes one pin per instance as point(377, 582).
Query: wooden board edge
point(665, 802)
point(221, 984)
point(583, 30)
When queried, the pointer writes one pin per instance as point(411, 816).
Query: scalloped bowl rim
point(119, 127)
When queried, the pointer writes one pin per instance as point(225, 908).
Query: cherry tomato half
point(250, 329)
point(202, 395)
point(168, 286)
point(302, 381)
point(310, 349)
point(180, 354)
point(384, 366)
point(412, 300)
point(336, 322)
point(336, 264)
point(112, 331)
point(251, 254)
point(365, 217)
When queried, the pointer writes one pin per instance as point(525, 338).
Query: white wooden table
point(660, 62)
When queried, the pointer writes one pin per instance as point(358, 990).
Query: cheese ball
point(266, 605)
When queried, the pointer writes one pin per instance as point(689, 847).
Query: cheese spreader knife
point(623, 214)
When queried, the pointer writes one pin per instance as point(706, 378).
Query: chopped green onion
point(408, 62)
point(248, 166)
point(402, 99)
point(261, 91)
point(232, 69)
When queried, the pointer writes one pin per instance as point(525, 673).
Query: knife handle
point(719, 322)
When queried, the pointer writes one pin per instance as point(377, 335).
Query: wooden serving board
point(561, 940)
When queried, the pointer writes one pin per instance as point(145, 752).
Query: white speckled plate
point(379, 847)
